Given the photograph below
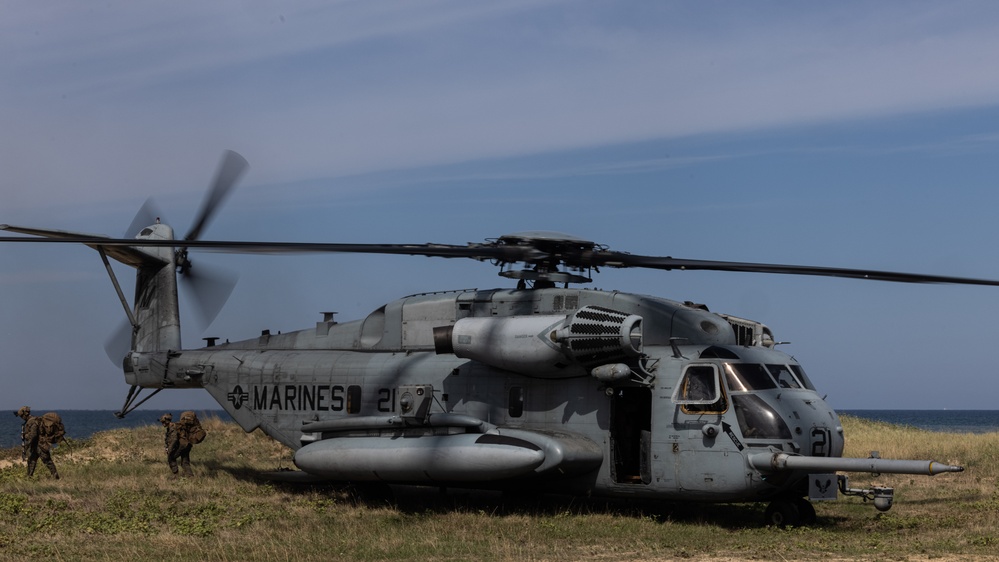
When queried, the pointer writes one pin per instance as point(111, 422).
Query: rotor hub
point(543, 253)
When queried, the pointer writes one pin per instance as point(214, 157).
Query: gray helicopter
point(542, 387)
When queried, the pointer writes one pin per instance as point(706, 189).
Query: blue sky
point(847, 134)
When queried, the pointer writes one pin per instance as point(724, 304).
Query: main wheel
point(806, 511)
point(782, 513)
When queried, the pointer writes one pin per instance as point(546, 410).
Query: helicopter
point(540, 387)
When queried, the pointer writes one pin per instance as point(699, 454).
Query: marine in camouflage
point(177, 444)
point(37, 439)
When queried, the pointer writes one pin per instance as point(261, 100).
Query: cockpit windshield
point(802, 377)
point(757, 420)
point(785, 378)
point(746, 377)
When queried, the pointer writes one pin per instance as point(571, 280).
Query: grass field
point(117, 502)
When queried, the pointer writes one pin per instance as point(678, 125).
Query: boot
point(188, 473)
point(31, 468)
point(55, 473)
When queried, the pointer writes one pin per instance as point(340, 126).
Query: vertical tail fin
point(156, 310)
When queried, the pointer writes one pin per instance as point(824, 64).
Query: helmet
point(25, 411)
point(166, 418)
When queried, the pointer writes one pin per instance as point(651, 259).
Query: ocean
point(946, 421)
point(81, 424)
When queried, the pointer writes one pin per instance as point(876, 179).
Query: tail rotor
point(209, 286)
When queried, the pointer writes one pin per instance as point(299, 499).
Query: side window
point(353, 399)
point(516, 406)
point(699, 391)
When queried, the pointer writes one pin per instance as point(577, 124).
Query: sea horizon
point(83, 423)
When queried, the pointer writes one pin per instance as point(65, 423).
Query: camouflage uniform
point(35, 442)
point(176, 445)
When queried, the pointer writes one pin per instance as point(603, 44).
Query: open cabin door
point(631, 435)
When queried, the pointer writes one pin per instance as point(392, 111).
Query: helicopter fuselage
point(677, 421)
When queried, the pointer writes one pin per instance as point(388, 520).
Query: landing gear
point(789, 512)
point(782, 513)
point(806, 511)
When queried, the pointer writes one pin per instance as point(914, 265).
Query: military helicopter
point(544, 386)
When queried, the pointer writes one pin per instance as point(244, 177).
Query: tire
point(782, 513)
point(806, 511)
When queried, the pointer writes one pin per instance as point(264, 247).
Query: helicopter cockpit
point(772, 404)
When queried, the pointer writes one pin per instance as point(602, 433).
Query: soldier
point(38, 435)
point(167, 421)
point(179, 439)
point(171, 443)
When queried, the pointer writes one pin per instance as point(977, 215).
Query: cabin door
point(631, 435)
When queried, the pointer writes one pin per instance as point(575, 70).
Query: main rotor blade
point(668, 263)
point(232, 167)
point(529, 254)
point(506, 254)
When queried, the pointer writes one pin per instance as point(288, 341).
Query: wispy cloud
point(134, 99)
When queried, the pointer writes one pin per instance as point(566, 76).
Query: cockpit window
point(802, 377)
point(700, 391)
point(757, 420)
point(744, 377)
point(785, 378)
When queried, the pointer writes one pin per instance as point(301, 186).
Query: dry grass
point(117, 502)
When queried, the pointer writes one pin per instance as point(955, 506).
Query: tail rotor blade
point(119, 343)
point(148, 214)
point(211, 288)
point(230, 170)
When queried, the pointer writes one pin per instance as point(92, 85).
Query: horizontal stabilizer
point(128, 255)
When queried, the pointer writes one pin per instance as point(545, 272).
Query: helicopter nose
point(819, 433)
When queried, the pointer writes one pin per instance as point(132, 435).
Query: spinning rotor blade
point(211, 288)
point(119, 343)
point(147, 215)
point(232, 167)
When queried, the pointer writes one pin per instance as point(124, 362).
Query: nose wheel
point(790, 512)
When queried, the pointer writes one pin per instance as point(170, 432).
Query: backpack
point(195, 433)
point(52, 427)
